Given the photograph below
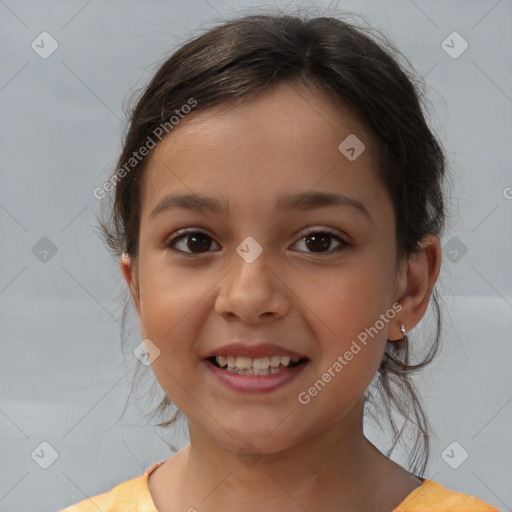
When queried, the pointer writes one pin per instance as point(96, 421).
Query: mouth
point(257, 366)
point(247, 367)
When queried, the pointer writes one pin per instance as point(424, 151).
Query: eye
point(196, 242)
point(321, 241)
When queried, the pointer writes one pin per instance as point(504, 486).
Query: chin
point(257, 437)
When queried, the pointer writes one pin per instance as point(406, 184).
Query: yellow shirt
point(134, 496)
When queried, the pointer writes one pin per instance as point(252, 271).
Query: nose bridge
point(250, 262)
point(250, 289)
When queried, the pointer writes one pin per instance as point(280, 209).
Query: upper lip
point(253, 350)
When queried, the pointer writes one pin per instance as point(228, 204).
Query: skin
point(308, 457)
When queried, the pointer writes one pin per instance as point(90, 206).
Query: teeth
point(243, 363)
point(275, 361)
point(254, 366)
point(285, 361)
point(261, 363)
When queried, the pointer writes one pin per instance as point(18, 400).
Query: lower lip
point(255, 383)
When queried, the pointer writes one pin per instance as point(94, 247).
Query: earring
point(402, 330)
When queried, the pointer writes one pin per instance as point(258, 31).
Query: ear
point(128, 270)
point(416, 284)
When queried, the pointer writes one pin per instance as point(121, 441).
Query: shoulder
point(431, 496)
point(129, 495)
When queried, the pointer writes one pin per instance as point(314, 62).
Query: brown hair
point(239, 58)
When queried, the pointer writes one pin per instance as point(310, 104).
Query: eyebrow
point(190, 202)
point(302, 201)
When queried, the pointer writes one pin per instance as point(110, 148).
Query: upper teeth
point(258, 363)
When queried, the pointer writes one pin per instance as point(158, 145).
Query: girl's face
point(260, 269)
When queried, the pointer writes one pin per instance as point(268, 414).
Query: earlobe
point(421, 275)
point(130, 276)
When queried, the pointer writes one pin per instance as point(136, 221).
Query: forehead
point(286, 137)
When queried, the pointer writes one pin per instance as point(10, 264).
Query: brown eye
point(194, 242)
point(321, 241)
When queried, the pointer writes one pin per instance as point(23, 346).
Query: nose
point(252, 292)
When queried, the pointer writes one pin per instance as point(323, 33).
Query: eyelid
point(184, 231)
point(320, 229)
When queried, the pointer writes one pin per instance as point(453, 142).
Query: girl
point(277, 213)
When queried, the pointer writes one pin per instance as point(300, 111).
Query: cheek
point(349, 299)
point(167, 297)
point(349, 312)
point(170, 305)
point(169, 310)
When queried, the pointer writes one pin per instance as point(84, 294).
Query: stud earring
point(402, 330)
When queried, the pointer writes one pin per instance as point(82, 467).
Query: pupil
point(321, 242)
point(200, 242)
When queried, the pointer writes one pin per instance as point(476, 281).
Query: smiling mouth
point(267, 365)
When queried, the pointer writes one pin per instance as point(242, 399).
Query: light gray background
point(64, 378)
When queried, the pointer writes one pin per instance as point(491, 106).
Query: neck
point(337, 467)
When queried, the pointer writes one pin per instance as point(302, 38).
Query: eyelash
point(183, 233)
